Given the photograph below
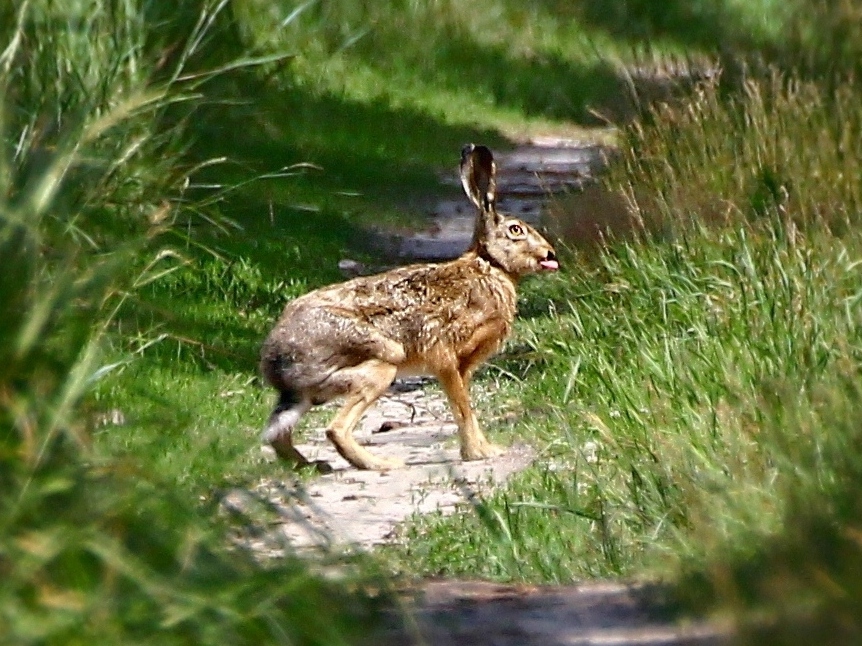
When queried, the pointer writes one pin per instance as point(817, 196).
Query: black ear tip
point(483, 154)
point(480, 154)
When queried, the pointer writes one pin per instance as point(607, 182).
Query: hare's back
point(417, 307)
point(402, 290)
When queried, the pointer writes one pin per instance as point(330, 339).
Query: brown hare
point(352, 339)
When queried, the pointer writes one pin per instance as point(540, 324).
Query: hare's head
point(507, 242)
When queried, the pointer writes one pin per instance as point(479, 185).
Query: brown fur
point(351, 339)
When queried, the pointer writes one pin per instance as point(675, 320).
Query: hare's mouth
point(550, 263)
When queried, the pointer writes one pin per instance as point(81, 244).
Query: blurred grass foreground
point(92, 550)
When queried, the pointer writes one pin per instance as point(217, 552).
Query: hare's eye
point(516, 229)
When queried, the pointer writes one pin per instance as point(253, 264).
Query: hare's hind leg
point(279, 429)
point(364, 384)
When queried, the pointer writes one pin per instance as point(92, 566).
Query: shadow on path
point(488, 614)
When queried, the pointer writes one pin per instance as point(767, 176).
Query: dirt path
point(360, 509)
point(598, 613)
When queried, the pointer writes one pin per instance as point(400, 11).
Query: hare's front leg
point(474, 444)
point(364, 384)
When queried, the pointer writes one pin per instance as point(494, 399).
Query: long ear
point(479, 176)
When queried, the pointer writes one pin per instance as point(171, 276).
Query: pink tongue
point(551, 265)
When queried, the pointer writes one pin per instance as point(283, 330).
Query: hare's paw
point(320, 467)
point(385, 464)
point(482, 451)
